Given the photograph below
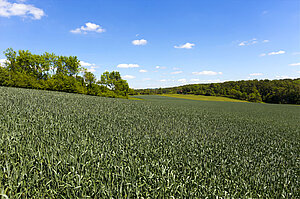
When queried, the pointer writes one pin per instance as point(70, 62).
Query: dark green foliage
point(114, 81)
point(61, 145)
point(58, 73)
point(285, 91)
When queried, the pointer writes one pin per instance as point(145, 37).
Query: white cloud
point(295, 64)
point(182, 80)
point(252, 41)
point(249, 42)
point(242, 43)
point(296, 53)
point(143, 71)
point(139, 42)
point(89, 27)
point(176, 72)
point(186, 46)
point(160, 67)
point(175, 68)
point(128, 77)
point(8, 9)
point(277, 53)
point(76, 31)
point(128, 66)
point(91, 66)
point(272, 53)
point(163, 80)
point(2, 61)
point(206, 72)
point(255, 74)
point(85, 64)
point(298, 71)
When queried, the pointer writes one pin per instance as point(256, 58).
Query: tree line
point(284, 91)
point(58, 73)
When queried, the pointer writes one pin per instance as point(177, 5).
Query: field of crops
point(203, 98)
point(61, 145)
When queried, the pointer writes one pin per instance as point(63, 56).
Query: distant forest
point(58, 73)
point(284, 91)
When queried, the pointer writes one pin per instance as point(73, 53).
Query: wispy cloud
point(272, 53)
point(143, 71)
point(295, 64)
point(277, 52)
point(89, 27)
point(128, 66)
point(252, 41)
point(186, 46)
point(206, 72)
point(255, 74)
point(128, 77)
point(8, 9)
point(249, 42)
point(176, 72)
point(139, 42)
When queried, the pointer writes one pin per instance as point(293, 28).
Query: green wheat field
point(62, 145)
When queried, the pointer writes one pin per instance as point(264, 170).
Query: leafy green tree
point(114, 82)
point(110, 79)
point(89, 78)
point(11, 58)
point(60, 73)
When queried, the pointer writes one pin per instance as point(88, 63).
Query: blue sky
point(161, 43)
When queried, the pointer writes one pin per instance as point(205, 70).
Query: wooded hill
point(284, 91)
point(58, 73)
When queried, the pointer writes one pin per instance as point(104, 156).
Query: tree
point(89, 78)
point(114, 82)
point(72, 65)
point(11, 59)
point(109, 79)
point(60, 73)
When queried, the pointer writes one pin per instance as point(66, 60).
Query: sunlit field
point(204, 98)
point(63, 145)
